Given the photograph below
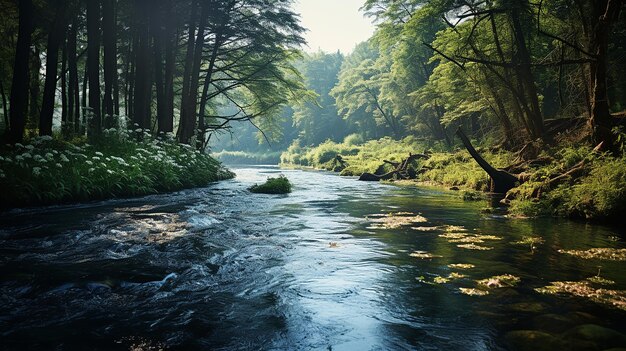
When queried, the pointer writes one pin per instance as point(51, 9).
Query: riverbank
point(48, 171)
point(564, 181)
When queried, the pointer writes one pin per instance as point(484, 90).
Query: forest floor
point(46, 171)
point(567, 180)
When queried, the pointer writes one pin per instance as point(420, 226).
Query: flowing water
point(325, 267)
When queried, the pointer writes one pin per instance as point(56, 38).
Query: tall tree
point(110, 59)
point(56, 33)
point(19, 86)
point(93, 67)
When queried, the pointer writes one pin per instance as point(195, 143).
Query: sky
point(333, 24)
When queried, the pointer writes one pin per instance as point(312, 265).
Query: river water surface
point(335, 265)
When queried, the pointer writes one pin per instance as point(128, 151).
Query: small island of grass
point(280, 185)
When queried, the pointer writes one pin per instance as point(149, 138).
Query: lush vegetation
point(598, 192)
point(46, 171)
point(279, 185)
point(180, 70)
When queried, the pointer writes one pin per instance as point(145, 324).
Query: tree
point(93, 67)
point(19, 86)
point(55, 37)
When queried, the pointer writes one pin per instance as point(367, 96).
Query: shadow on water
point(325, 267)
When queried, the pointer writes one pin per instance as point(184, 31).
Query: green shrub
point(280, 185)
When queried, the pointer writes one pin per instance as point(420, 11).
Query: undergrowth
point(598, 192)
point(45, 170)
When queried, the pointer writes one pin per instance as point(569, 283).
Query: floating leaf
point(474, 247)
point(425, 229)
point(499, 281)
point(473, 292)
point(441, 280)
point(453, 235)
point(455, 228)
point(615, 298)
point(424, 255)
point(397, 220)
point(461, 265)
point(599, 280)
point(602, 253)
point(455, 275)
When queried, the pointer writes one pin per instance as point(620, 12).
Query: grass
point(46, 171)
point(248, 158)
point(598, 194)
point(279, 185)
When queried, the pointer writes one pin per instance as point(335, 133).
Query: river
point(335, 265)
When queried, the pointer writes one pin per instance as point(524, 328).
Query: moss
point(279, 185)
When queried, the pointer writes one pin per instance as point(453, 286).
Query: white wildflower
point(89, 163)
point(36, 171)
point(59, 165)
point(98, 153)
point(96, 158)
point(29, 147)
point(64, 158)
point(91, 170)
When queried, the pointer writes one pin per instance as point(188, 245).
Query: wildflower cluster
point(51, 171)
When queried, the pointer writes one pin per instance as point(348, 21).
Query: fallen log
point(501, 181)
point(401, 169)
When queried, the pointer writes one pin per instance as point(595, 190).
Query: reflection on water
point(335, 265)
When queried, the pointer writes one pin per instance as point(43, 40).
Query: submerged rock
point(601, 337)
point(553, 323)
point(532, 340)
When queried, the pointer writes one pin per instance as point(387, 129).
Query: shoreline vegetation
point(567, 180)
point(45, 171)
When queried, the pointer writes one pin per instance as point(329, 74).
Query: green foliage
point(600, 193)
point(48, 171)
point(242, 157)
point(280, 185)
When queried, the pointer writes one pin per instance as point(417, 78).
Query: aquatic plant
point(423, 255)
point(499, 281)
point(278, 185)
point(475, 247)
point(584, 289)
point(461, 265)
point(601, 253)
point(395, 220)
point(473, 292)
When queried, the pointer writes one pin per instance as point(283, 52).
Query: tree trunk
point(110, 59)
point(80, 126)
point(525, 76)
point(34, 77)
point(93, 67)
point(501, 181)
point(19, 86)
point(185, 128)
point(143, 82)
point(55, 36)
point(64, 88)
point(170, 60)
point(159, 37)
point(5, 109)
point(605, 13)
point(205, 90)
point(73, 100)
